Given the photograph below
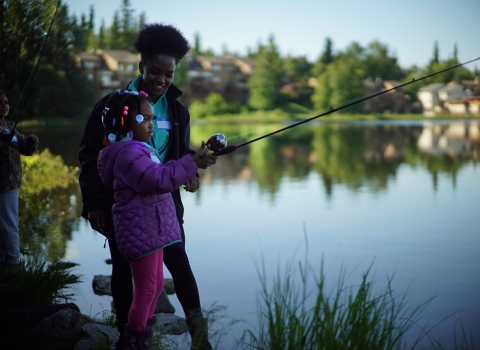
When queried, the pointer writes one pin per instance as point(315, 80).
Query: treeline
point(60, 88)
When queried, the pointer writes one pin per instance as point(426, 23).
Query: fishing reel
point(216, 143)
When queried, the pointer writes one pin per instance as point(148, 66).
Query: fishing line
point(217, 143)
point(24, 94)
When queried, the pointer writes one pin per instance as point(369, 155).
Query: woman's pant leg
point(121, 282)
point(10, 235)
point(176, 260)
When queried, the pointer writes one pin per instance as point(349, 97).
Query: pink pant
point(148, 282)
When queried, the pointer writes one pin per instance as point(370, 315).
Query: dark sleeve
point(185, 147)
point(91, 143)
point(25, 146)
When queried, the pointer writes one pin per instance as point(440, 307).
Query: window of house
point(121, 67)
point(130, 67)
point(216, 67)
point(88, 64)
point(90, 77)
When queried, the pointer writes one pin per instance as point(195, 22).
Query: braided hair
point(118, 114)
point(159, 38)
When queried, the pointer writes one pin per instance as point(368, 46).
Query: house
point(395, 101)
point(109, 70)
point(456, 98)
point(428, 96)
point(225, 75)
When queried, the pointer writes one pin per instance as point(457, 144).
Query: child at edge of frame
point(10, 182)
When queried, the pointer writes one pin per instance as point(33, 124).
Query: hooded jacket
point(144, 213)
point(10, 164)
point(94, 194)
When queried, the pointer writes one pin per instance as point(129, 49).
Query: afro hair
point(159, 38)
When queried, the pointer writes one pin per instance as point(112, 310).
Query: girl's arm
point(135, 169)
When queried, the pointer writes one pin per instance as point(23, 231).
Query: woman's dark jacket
point(94, 194)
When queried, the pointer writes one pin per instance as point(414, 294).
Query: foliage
point(43, 220)
point(214, 105)
point(291, 315)
point(20, 43)
point(264, 84)
point(44, 171)
point(37, 283)
point(339, 84)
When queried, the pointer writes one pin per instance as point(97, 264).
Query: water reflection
point(362, 159)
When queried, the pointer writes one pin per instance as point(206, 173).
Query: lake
point(401, 198)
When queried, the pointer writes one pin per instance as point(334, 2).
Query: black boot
point(134, 340)
point(118, 343)
point(198, 329)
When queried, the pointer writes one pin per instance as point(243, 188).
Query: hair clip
point(111, 138)
point(130, 134)
point(122, 121)
point(114, 121)
point(125, 110)
point(139, 118)
point(144, 94)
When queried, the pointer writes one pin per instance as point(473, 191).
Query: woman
point(161, 48)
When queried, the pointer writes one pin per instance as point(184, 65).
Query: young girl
point(144, 213)
point(10, 181)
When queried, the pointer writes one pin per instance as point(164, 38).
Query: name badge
point(154, 157)
point(163, 124)
point(14, 139)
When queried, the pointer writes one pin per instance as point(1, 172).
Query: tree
point(264, 85)
point(339, 84)
point(57, 77)
point(380, 64)
point(327, 55)
point(325, 59)
point(91, 40)
point(435, 59)
point(114, 33)
point(101, 39)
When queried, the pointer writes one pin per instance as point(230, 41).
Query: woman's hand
point(33, 139)
point(202, 159)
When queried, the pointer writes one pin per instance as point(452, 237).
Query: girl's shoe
point(134, 340)
point(151, 322)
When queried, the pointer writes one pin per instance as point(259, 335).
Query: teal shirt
point(161, 125)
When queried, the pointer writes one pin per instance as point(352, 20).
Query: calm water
point(400, 196)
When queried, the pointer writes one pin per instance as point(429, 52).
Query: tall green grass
point(296, 312)
point(37, 282)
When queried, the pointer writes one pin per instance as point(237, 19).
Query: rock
point(169, 287)
point(163, 304)
point(97, 333)
point(171, 324)
point(63, 324)
point(101, 285)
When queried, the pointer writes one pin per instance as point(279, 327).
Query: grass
point(37, 283)
point(293, 316)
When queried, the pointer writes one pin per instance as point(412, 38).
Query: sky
point(410, 28)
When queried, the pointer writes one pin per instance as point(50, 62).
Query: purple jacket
point(144, 212)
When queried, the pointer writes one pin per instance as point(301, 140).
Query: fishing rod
point(218, 142)
point(7, 138)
